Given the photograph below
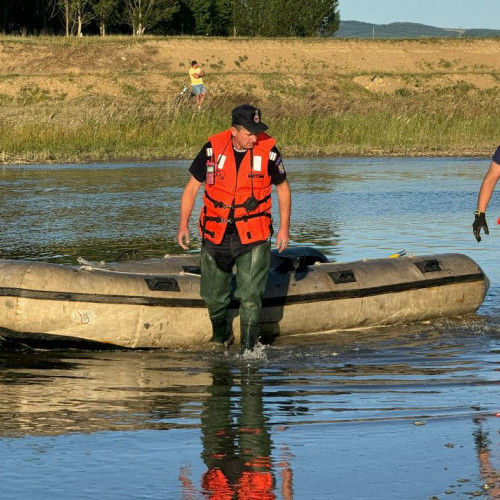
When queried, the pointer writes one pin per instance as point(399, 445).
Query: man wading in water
point(239, 167)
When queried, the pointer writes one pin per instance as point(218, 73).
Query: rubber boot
point(222, 332)
point(215, 289)
point(252, 270)
point(249, 336)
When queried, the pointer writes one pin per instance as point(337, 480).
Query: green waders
point(252, 269)
point(215, 290)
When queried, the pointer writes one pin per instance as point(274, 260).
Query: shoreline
point(22, 162)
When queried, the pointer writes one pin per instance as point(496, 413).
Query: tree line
point(254, 18)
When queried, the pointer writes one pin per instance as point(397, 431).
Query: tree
point(315, 18)
point(76, 14)
point(331, 22)
point(249, 16)
point(223, 22)
point(271, 18)
point(26, 17)
point(105, 10)
point(182, 21)
point(144, 14)
point(63, 5)
point(202, 11)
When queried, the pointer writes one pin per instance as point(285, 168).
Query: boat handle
point(161, 284)
point(344, 276)
point(191, 269)
point(428, 266)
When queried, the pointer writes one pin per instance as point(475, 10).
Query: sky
point(439, 13)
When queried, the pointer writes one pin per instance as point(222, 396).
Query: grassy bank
point(341, 135)
point(150, 133)
point(94, 112)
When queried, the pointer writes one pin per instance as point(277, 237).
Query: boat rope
point(88, 266)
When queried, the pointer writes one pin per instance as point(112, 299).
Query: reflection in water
point(236, 440)
point(58, 392)
point(349, 401)
point(488, 460)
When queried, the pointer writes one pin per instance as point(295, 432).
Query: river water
point(403, 412)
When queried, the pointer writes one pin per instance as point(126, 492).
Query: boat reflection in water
point(58, 393)
point(61, 392)
point(195, 422)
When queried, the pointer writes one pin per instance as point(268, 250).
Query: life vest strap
point(221, 204)
point(204, 231)
point(232, 220)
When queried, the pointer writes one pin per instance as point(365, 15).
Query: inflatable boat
point(155, 303)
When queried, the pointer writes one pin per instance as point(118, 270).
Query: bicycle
point(181, 100)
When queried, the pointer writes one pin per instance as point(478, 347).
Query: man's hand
point(479, 222)
point(282, 240)
point(183, 236)
point(187, 203)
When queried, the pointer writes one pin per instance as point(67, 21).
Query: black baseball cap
point(249, 117)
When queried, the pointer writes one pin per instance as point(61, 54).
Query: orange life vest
point(256, 485)
point(251, 485)
point(216, 483)
point(231, 189)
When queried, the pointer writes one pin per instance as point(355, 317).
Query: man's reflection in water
point(236, 441)
point(489, 474)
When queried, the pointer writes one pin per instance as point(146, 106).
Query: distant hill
point(357, 29)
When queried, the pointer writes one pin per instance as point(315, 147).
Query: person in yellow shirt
point(196, 74)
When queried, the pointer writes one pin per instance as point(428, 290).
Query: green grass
point(182, 136)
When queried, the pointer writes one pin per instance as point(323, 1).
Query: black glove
point(479, 222)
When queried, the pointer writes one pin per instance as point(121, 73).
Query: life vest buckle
point(221, 220)
point(251, 203)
